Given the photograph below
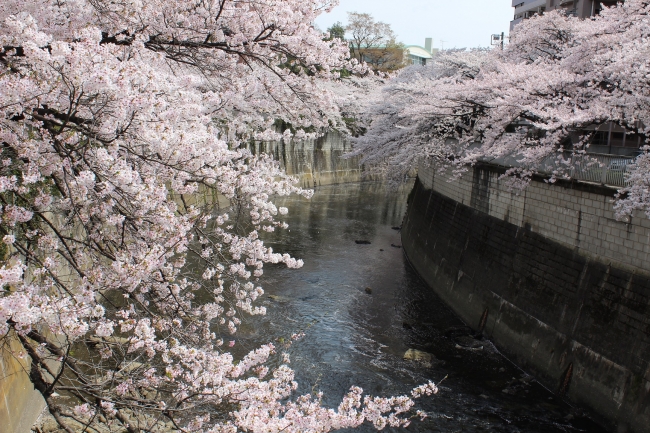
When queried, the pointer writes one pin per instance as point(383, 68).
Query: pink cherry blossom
point(545, 93)
point(132, 210)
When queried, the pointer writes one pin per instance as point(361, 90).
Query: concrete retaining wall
point(20, 403)
point(316, 162)
point(565, 285)
point(577, 215)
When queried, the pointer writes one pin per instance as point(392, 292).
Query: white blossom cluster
point(130, 217)
point(558, 79)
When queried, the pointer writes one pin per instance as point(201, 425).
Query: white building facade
point(580, 8)
point(417, 55)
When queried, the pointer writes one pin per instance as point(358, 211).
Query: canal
point(362, 307)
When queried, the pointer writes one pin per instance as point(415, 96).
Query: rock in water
point(396, 228)
point(468, 343)
point(362, 242)
point(418, 356)
point(395, 246)
point(369, 290)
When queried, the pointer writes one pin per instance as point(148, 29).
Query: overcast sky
point(460, 23)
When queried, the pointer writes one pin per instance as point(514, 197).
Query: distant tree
point(399, 136)
point(337, 31)
point(374, 42)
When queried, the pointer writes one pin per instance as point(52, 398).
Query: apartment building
point(607, 138)
point(580, 8)
point(526, 9)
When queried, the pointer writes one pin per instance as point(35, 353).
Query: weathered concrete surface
point(577, 215)
point(316, 162)
point(579, 320)
point(20, 403)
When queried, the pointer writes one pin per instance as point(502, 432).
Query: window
point(599, 138)
point(618, 139)
point(415, 60)
point(634, 140)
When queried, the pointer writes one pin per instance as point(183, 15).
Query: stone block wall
point(577, 215)
point(562, 300)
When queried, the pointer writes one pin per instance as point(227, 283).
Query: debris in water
point(380, 249)
point(395, 246)
point(369, 290)
point(468, 342)
point(396, 228)
point(418, 356)
point(474, 349)
point(362, 242)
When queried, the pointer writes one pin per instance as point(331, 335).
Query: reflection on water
point(316, 162)
point(356, 338)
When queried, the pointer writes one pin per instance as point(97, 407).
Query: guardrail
point(610, 170)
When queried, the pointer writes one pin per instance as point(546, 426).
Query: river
point(358, 338)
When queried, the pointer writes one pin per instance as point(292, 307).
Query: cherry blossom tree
point(399, 136)
point(355, 96)
point(131, 219)
point(374, 42)
point(558, 78)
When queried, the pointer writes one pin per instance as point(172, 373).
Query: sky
point(459, 23)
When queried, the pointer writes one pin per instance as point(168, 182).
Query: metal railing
point(610, 170)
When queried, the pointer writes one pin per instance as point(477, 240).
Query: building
point(417, 55)
point(580, 8)
point(526, 9)
point(607, 138)
point(387, 58)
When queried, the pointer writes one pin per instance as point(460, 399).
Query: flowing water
point(358, 338)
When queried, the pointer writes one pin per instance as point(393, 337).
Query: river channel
point(358, 338)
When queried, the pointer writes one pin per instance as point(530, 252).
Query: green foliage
point(337, 31)
point(282, 126)
point(354, 126)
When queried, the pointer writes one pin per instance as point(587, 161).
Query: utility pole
point(442, 45)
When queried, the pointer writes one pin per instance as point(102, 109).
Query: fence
point(610, 170)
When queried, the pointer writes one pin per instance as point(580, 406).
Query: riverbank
point(359, 337)
point(542, 286)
